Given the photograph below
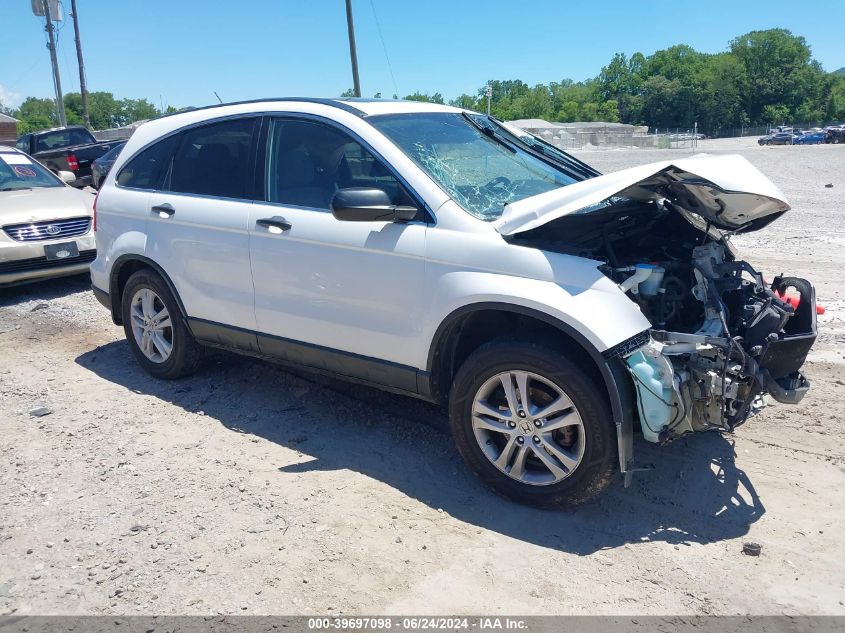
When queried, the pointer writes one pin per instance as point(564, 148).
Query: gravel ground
point(248, 489)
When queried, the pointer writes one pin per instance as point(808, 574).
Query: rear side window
point(145, 171)
point(213, 160)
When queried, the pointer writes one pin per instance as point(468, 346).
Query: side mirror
point(67, 176)
point(365, 204)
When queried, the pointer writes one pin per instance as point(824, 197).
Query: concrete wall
point(585, 135)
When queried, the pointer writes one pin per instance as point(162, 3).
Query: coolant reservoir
point(651, 286)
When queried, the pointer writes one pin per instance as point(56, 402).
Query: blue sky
point(179, 51)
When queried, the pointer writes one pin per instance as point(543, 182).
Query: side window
point(308, 161)
point(145, 171)
point(213, 160)
point(23, 144)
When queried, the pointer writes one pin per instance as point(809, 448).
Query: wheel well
point(122, 270)
point(467, 332)
point(118, 282)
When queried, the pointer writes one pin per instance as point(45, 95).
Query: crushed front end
point(721, 336)
point(753, 341)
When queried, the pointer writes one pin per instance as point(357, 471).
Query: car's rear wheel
point(532, 425)
point(157, 335)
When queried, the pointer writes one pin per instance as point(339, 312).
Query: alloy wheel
point(151, 325)
point(528, 427)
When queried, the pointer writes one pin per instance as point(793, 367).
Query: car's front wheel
point(157, 335)
point(532, 425)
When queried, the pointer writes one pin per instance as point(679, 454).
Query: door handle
point(276, 221)
point(164, 210)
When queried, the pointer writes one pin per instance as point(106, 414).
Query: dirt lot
point(246, 489)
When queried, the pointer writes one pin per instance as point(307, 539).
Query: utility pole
point(57, 82)
point(489, 92)
point(352, 53)
point(83, 87)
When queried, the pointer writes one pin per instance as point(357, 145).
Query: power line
point(384, 48)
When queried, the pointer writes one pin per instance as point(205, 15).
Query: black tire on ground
point(598, 464)
point(186, 355)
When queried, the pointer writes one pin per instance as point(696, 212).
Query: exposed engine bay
point(722, 337)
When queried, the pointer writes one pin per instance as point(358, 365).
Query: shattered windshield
point(478, 167)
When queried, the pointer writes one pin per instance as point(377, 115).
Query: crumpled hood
point(726, 191)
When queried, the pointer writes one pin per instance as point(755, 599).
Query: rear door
point(198, 225)
point(344, 296)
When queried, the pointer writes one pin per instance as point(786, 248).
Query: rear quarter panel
point(121, 230)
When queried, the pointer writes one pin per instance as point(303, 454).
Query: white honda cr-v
point(443, 254)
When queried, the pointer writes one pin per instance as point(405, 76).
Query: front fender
point(599, 312)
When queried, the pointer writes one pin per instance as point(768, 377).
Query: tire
point(586, 442)
point(183, 356)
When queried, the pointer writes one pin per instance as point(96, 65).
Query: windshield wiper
point(553, 152)
point(544, 148)
point(489, 131)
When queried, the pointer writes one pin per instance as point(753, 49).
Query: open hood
point(726, 191)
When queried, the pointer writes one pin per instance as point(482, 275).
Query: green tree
point(774, 114)
point(420, 96)
point(73, 108)
point(720, 98)
point(132, 110)
point(778, 70)
point(835, 110)
point(621, 81)
point(104, 110)
point(467, 102)
point(36, 114)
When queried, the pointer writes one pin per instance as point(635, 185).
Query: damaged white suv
point(440, 253)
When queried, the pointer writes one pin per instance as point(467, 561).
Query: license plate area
point(65, 250)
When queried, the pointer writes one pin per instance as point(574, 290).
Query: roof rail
point(335, 103)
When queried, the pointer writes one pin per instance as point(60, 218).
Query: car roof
point(168, 123)
point(355, 105)
point(7, 148)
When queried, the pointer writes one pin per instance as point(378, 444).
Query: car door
point(198, 226)
point(337, 295)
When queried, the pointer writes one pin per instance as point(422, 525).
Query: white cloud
point(8, 98)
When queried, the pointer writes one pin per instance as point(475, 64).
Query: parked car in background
point(100, 167)
point(45, 225)
point(764, 140)
point(778, 138)
point(71, 149)
point(810, 138)
point(835, 134)
point(440, 253)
